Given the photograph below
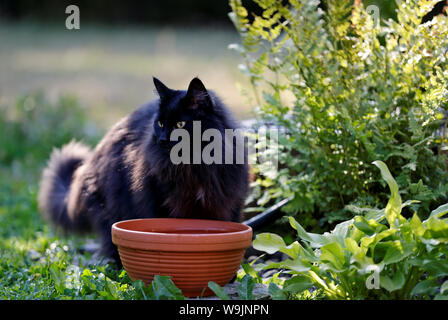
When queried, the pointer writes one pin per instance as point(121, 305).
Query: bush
point(31, 128)
point(407, 255)
point(348, 93)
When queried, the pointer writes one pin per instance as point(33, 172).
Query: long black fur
point(129, 175)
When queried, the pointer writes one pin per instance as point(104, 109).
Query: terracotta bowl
point(191, 251)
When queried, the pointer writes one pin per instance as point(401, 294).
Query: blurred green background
point(108, 64)
point(109, 69)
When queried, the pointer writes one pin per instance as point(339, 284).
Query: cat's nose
point(163, 142)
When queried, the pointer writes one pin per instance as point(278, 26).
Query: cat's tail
point(55, 186)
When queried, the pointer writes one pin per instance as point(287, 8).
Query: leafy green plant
point(33, 126)
point(245, 289)
point(218, 290)
point(408, 256)
point(347, 93)
point(161, 288)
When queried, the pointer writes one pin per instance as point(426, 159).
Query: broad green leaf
point(393, 208)
point(368, 226)
point(436, 229)
point(396, 282)
point(164, 288)
point(362, 224)
point(341, 229)
point(313, 238)
point(396, 251)
point(440, 211)
point(435, 267)
point(218, 290)
point(372, 241)
point(297, 284)
point(358, 255)
point(251, 271)
point(416, 225)
point(444, 287)
point(293, 250)
point(271, 265)
point(146, 291)
point(276, 292)
point(377, 215)
point(352, 245)
point(334, 254)
point(428, 287)
point(268, 242)
point(246, 287)
point(297, 265)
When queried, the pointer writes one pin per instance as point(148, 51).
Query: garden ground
point(109, 71)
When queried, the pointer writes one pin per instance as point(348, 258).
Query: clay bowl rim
point(127, 237)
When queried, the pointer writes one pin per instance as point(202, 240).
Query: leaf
point(444, 287)
point(146, 292)
point(271, 265)
point(428, 287)
point(435, 267)
point(276, 292)
point(393, 208)
point(164, 288)
point(297, 265)
point(440, 211)
point(246, 287)
point(334, 254)
point(58, 277)
point(313, 238)
point(362, 224)
point(396, 251)
point(268, 242)
point(218, 290)
point(408, 203)
point(342, 228)
point(352, 245)
point(392, 284)
point(436, 229)
point(416, 225)
point(248, 269)
point(377, 215)
point(293, 250)
point(297, 284)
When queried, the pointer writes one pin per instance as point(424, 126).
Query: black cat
point(130, 174)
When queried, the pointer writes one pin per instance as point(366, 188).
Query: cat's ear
point(161, 89)
point(197, 95)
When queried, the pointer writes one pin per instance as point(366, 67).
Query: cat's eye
point(181, 124)
point(160, 124)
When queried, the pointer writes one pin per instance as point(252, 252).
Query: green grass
point(37, 261)
point(31, 255)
